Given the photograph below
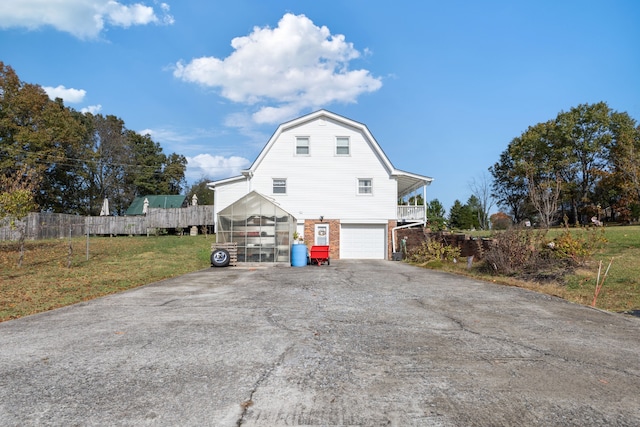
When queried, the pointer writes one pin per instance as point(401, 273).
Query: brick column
point(392, 223)
point(334, 234)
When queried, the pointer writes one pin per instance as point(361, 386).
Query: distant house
point(161, 201)
point(329, 173)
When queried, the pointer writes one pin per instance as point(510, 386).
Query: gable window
point(342, 146)
point(302, 146)
point(365, 186)
point(279, 186)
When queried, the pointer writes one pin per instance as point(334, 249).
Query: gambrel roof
point(407, 182)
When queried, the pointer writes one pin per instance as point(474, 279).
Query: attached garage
point(363, 241)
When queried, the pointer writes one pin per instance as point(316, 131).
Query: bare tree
point(481, 188)
point(544, 194)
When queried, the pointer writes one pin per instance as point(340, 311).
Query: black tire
point(220, 258)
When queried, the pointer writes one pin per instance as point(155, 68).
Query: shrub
point(578, 245)
point(515, 251)
point(433, 250)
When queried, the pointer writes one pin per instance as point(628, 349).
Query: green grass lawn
point(621, 288)
point(45, 281)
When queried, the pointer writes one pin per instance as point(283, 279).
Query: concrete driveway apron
point(357, 343)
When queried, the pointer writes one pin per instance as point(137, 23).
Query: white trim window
point(302, 146)
point(342, 146)
point(365, 186)
point(279, 186)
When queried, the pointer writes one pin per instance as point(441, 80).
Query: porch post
point(424, 199)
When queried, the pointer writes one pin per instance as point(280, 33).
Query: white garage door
point(362, 241)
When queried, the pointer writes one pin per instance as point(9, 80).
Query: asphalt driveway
point(367, 343)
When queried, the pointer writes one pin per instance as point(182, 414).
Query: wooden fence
point(46, 225)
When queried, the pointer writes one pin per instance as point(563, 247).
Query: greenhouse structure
point(262, 230)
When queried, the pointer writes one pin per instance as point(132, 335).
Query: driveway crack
point(245, 405)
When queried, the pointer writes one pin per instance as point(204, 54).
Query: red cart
point(319, 255)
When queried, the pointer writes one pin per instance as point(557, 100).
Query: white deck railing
point(410, 213)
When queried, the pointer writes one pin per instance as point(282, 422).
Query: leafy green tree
point(463, 216)
point(44, 136)
point(474, 207)
point(110, 164)
point(200, 189)
point(80, 159)
point(538, 161)
point(144, 169)
point(509, 188)
point(583, 136)
point(174, 173)
point(151, 171)
point(436, 215)
point(63, 186)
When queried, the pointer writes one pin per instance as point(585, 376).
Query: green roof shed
point(161, 201)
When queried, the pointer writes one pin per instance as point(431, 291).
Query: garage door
point(363, 241)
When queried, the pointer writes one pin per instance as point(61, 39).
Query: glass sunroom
point(262, 230)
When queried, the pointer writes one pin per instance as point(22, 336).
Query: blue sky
point(443, 86)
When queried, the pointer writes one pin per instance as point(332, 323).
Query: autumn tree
point(17, 200)
point(624, 157)
point(79, 158)
point(500, 221)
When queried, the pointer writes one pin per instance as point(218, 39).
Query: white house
point(330, 173)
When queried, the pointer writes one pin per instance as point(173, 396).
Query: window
point(365, 186)
point(342, 146)
point(279, 186)
point(302, 146)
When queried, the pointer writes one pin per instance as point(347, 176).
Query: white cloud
point(93, 109)
point(69, 95)
point(295, 66)
point(82, 18)
point(214, 167)
point(167, 135)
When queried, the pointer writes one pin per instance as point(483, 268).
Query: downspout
point(214, 207)
point(249, 175)
point(393, 232)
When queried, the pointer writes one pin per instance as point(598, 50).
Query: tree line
point(583, 164)
point(71, 161)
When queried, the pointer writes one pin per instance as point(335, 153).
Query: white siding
point(323, 183)
point(227, 194)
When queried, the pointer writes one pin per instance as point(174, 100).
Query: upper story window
point(342, 146)
point(365, 186)
point(302, 146)
point(279, 186)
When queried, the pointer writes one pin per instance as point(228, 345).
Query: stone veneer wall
point(468, 246)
